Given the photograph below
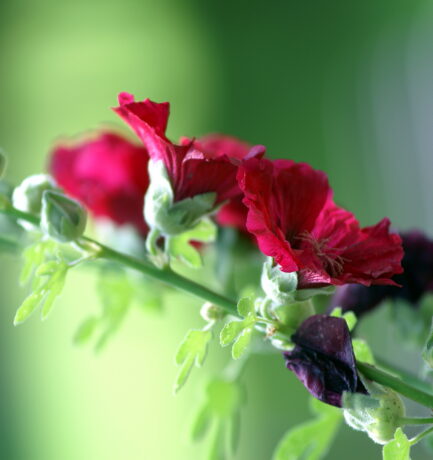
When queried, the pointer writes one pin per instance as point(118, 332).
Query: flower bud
point(211, 312)
point(379, 421)
point(279, 286)
point(27, 196)
point(62, 218)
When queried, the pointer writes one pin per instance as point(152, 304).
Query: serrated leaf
point(362, 351)
point(230, 331)
point(85, 330)
point(191, 351)
point(246, 307)
point(242, 342)
point(398, 448)
point(310, 440)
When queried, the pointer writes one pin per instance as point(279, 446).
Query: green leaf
point(191, 351)
point(311, 440)
point(397, 449)
point(86, 330)
point(34, 255)
point(362, 351)
point(28, 307)
point(230, 331)
point(221, 409)
point(201, 424)
point(246, 306)
point(349, 316)
point(49, 282)
point(116, 293)
point(241, 344)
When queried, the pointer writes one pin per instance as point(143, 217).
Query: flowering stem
point(166, 275)
point(372, 373)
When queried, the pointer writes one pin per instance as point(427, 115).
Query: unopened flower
point(415, 281)
point(296, 222)
point(194, 168)
point(108, 174)
point(323, 359)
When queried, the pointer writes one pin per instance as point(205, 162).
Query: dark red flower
point(323, 359)
point(295, 220)
point(193, 167)
point(108, 174)
point(415, 281)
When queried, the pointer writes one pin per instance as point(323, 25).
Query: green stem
point(420, 436)
point(404, 375)
point(416, 420)
point(169, 277)
point(379, 376)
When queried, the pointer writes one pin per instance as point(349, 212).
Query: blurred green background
point(345, 86)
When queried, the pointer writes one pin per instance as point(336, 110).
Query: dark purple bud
point(323, 359)
point(415, 281)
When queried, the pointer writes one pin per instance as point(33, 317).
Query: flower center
point(332, 261)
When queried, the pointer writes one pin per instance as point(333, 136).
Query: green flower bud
point(279, 286)
point(62, 218)
point(27, 196)
point(378, 420)
point(210, 312)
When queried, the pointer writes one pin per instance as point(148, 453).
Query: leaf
point(116, 293)
point(28, 307)
point(85, 330)
point(230, 331)
point(221, 409)
point(362, 351)
point(310, 440)
point(397, 449)
point(246, 306)
point(49, 282)
point(34, 255)
point(349, 316)
point(192, 351)
point(242, 342)
point(201, 424)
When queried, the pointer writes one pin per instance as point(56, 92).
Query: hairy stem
point(420, 436)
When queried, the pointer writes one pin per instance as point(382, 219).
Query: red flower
point(193, 167)
point(234, 213)
point(108, 174)
point(292, 214)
